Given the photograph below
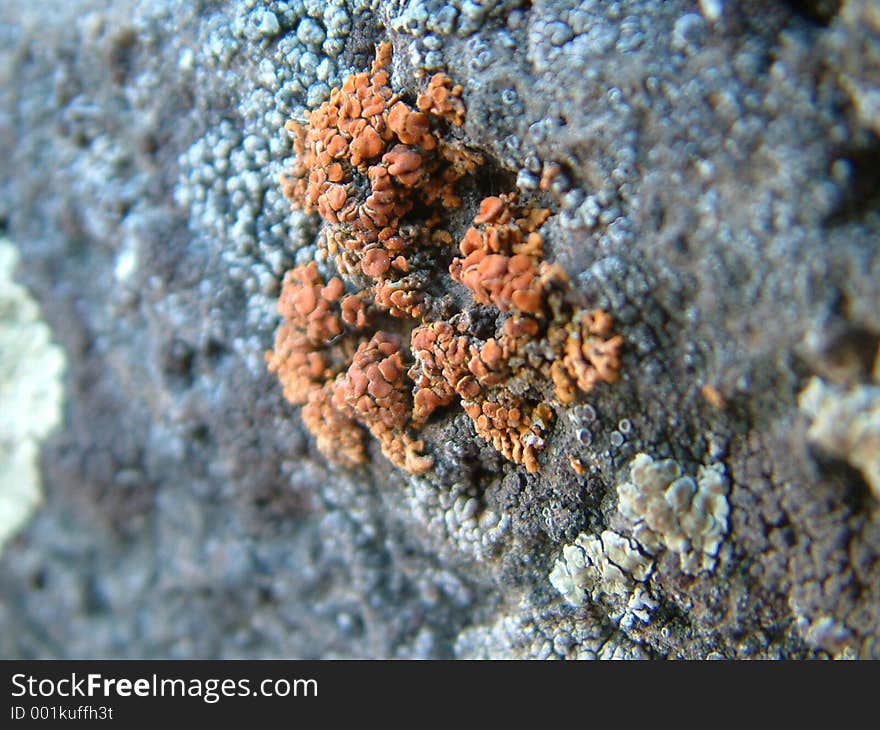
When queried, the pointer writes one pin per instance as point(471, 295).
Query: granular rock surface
point(711, 175)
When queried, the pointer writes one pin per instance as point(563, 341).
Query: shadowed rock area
point(713, 174)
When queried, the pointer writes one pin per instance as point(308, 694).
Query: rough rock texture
point(714, 187)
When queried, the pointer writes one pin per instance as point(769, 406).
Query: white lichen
point(669, 511)
point(31, 370)
point(541, 632)
point(826, 633)
point(609, 569)
point(845, 422)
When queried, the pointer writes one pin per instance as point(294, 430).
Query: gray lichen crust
point(710, 168)
point(662, 510)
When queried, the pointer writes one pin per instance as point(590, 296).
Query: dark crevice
point(853, 351)
point(862, 193)
point(178, 364)
point(856, 494)
point(200, 433)
point(215, 351)
point(821, 12)
point(121, 57)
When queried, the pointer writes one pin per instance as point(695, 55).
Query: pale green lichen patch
point(31, 395)
point(845, 422)
point(660, 509)
point(609, 569)
point(676, 512)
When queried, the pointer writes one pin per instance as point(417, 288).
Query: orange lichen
point(336, 434)
point(310, 310)
point(376, 392)
point(312, 345)
point(400, 298)
point(411, 127)
point(382, 175)
point(441, 370)
point(549, 174)
point(713, 397)
point(512, 426)
point(590, 355)
point(501, 257)
point(442, 98)
point(545, 338)
point(364, 161)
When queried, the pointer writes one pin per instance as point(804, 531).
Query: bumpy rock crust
point(380, 174)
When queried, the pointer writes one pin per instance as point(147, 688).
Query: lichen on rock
point(606, 568)
point(713, 187)
point(845, 422)
point(382, 175)
point(672, 511)
point(31, 391)
point(364, 161)
point(374, 390)
point(312, 346)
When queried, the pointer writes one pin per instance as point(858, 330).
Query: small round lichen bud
point(375, 263)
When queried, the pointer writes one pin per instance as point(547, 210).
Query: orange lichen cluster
point(545, 338)
point(365, 160)
point(312, 318)
point(376, 392)
point(590, 355)
point(342, 384)
point(440, 369)
point(514, 426)
point(449, 364)
point(502, 257)
point(312, 346)
point(442, 99)
point(381, 174)
point(336, 434)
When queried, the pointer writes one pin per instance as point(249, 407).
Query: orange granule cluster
point(514, 427)
point(442, 99)
point(342, 382)
point(312, 346)
point(502, 257)
point(375, 390)
point(364, 162)
point(545, 340)
point(590, 355)
point(382, 174)
point(312, 318)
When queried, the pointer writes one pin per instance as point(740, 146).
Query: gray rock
point(718, 196)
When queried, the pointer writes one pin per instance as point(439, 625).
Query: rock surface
point(718, 195)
